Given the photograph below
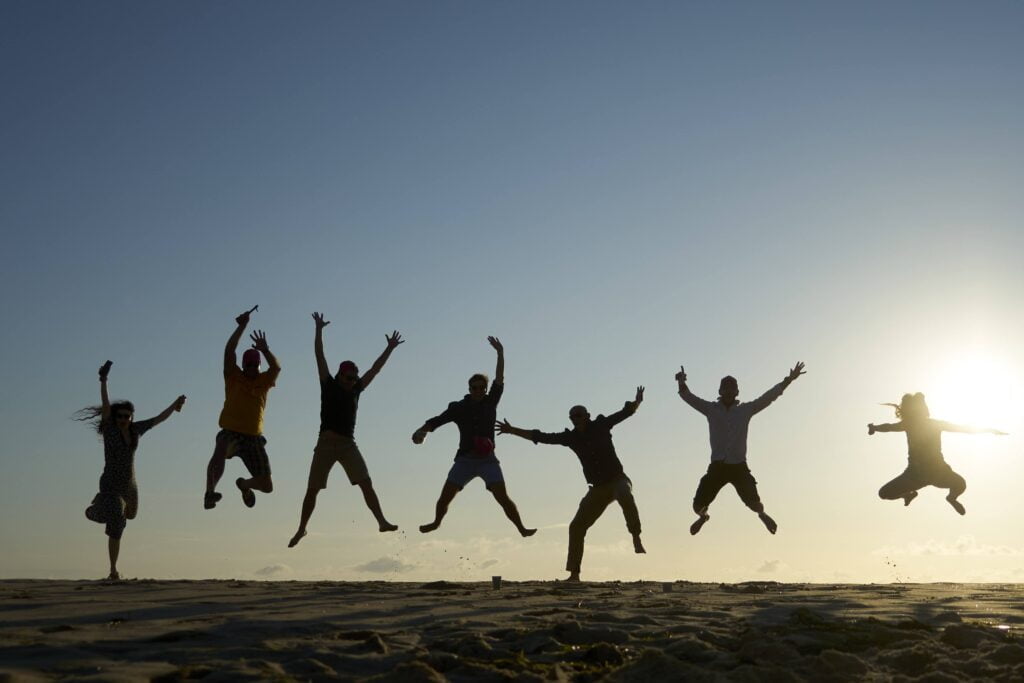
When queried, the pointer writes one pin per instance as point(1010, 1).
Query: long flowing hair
point(911, 407)
point(93, 415)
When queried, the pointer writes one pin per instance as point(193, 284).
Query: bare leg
point(370, 496)
point(214, 471)
point(959, 485)
point(511, 511)
point(702, 517)
point(113, 550)
point(448, 492)
point(308, 503)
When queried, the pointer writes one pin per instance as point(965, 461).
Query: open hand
point(797, 370)
point(503, 426)
point(318, 318)
point(394, 339)
point(259, 341)
point(496, 343)
point(639, 396)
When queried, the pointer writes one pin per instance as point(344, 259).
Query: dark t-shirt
point(338, 406)
point(475, 420)
point(593, 446)
point(119, 456)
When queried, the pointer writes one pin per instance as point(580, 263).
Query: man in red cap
point(339, 401)
point(241, 419)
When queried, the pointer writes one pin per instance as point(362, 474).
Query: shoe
point(211, 499)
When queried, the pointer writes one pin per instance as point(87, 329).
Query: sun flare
point(978, 389)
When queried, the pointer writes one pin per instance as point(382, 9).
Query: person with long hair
point(925, 464)
point(339, 402)
point(118, 498)
point(475, 416)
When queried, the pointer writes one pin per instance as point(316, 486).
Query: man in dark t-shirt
point(591, 441)
point(339, 401)
point(475, 416)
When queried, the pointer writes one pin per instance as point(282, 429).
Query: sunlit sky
point(613, 189)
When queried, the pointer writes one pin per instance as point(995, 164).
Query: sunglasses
point(124, 416)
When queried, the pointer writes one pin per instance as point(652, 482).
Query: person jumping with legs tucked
point(925, 464)
point(591, 441)
point(339, 401)
point(118, 499)
point(728, 422)
point(241, 419)
point(475, 416)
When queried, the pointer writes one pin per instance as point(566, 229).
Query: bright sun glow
point(979, 390)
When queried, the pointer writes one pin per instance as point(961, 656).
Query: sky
point(612, 189)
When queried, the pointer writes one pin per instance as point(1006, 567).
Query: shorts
point(718, 475)
point(248, 447)
point(114, 510)
point(465, 470)
point(332, 447)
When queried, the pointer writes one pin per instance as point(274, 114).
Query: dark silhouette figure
point(591, 441)
point(475, 416)
point(728, 421)
point(241, 418)
point(118, 498)
point(339, 402)
point(925, 464)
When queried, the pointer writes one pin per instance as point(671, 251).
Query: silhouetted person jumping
point(339, 401)
point(728, 421)
point(118, 499)
point(591, 441)
point(925, 464)
point(475, 416)
point(241, 418)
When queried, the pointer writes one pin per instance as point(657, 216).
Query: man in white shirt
point(728, 420)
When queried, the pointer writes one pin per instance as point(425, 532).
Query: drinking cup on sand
point(666, 587)
point(496, 582)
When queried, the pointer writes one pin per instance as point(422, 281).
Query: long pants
point(592, 507)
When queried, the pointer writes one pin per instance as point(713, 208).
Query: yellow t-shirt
point(245, 399)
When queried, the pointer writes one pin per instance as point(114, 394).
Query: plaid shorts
point(247, 447)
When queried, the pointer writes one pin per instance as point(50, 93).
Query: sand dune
point(250, 630)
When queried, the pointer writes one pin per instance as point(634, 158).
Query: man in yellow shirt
point(241, 419)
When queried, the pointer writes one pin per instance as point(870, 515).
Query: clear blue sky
point(611, 188)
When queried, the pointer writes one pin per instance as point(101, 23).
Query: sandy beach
point(249, 630)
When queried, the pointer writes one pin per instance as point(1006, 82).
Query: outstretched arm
point(504, 427)
point(259, 342)
point(174, 407)
point(393, 340)
point(698, 404)
point(499, 370)
point(765, 399)
point(433, 423)
point(534, 435)
point(318, 347)
point(888, 427)
point(966, 429)
point(104, 399)
point(229, 349)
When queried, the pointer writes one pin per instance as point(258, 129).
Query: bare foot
point(299, 535)
point(957, 505)
point(696, 526)
point(248, 497)
point(574, 577)
point(769, 523)
point(427, 528)
point(113, 576)
point(907, 499)
point(524, 532)
point(638, 547)
point(387, 526)
point(211, 499)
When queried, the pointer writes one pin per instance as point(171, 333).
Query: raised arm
point(698, 404)
point(259, 342)
point(628, 409)
point(499, 370)
point(229, 349)
point(104, 399)
point(393, 340)
point(318, 347)
point(765, 399)
point(174, 407)
point(888, 427)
